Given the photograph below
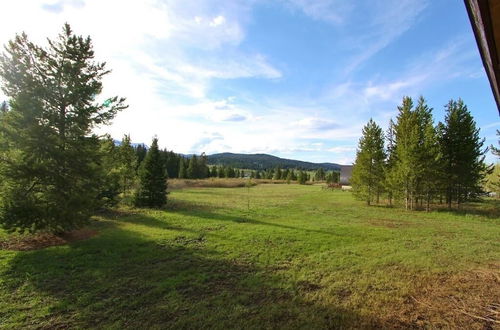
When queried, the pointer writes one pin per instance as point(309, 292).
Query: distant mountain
point(265, 161)
point(135, 145)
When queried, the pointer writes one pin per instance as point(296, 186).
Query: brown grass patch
point(469, 300)
point(175, 184)
point(44, 240)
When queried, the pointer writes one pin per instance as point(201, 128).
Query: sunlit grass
point(267, 256)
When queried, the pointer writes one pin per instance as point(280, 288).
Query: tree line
point(416, 162)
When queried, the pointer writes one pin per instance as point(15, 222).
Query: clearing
point(297, 257)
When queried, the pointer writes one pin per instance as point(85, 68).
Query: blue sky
point(293, 78)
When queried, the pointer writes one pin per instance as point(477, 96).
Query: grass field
point(271, 256)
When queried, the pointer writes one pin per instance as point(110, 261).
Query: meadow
point(267, 256)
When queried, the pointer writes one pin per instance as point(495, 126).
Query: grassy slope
point(299, 256)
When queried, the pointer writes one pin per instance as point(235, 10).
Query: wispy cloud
point(170, 59)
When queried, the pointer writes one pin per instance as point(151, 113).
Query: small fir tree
point(152, 190)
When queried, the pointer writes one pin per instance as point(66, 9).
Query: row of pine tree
point(418, 163)
point(140, 175)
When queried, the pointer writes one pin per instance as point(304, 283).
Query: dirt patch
point(464, 301)
point(44, 240)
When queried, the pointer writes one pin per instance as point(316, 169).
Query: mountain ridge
point(262, 161)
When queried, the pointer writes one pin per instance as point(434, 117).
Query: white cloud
point(316, 124)
point(342, 149)
point(166, 56)
point(218, 21)
point(333, 11)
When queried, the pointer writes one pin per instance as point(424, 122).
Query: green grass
point(298, 257)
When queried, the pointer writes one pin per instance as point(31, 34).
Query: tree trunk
point(428, 206)
point(406, 199)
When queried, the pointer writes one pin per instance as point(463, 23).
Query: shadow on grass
point(488, 208)
point(210, 212)
point(135, 216)
point(121, 280)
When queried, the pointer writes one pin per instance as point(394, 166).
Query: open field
point(285, 256)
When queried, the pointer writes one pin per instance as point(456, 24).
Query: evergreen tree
point(319, 175)
point(202, 169)
point(140, 152)
point(172, 164)
point(110, 178)
point(330, 177)
point(213, 172)
point(221, 172)
point(182, 168)
point(367, 173)
point(407, 168)
point(229, 172)
point(277, 174)
point(49, 158)
point(289, 177)
point(192, 169)
point(429, 155)
point(127, 163)
point(463, 154)
point(302, 178)
point(152, 190)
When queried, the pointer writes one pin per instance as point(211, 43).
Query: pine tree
point(172, 164)
point(202, 169)
point(302, 177)
point(49, 172)
point(152, 190)
point(367, 173)
point(213, 172)
point(277, 174)
point(182, 169)
point(407, 168)
point(319, 175)
point(192, 170)
point(429, 155)
point(463, 154)
point(127, 163)
point(221, 171)
point(140, 152)
point(110, 179)
point(229, 172)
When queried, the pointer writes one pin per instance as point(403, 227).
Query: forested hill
point(264, 161)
